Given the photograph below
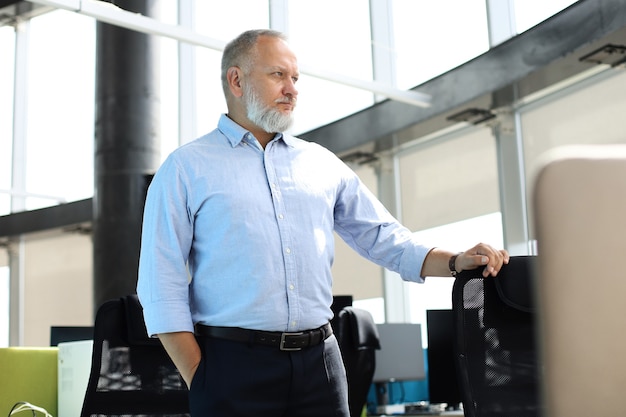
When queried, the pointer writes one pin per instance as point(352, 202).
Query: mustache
point(286, 100)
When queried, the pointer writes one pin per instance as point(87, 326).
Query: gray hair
point(239, 51)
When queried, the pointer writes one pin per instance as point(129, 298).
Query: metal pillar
point(127, 147)
point(383, 43)
point(512, 183)
point(18, 183)
point(397, 303)
point(187, 130)
point(501, 20)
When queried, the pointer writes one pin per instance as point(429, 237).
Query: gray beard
point(268, 119)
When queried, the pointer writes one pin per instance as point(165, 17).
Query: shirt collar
point(235, 133)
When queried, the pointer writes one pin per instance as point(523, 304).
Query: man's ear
point(234, 75)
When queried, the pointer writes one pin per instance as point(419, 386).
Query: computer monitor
point(442, 378)
point(74, 366)
point(400, 358)
point(60, 334)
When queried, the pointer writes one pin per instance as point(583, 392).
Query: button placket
point(285, 237)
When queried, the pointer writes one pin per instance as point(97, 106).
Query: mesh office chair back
point(496, 352)
point(131, 374)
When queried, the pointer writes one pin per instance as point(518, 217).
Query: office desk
point(457, 413)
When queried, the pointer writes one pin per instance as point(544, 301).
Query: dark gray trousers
point(237, 379)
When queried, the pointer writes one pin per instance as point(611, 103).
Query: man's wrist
point(452, 264)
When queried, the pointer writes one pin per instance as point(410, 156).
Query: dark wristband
point(452, 264)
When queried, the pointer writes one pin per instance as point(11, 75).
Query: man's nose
point(290, 89)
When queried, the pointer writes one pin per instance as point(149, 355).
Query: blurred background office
point(507, 80)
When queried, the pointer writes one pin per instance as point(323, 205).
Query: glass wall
point(222, 21)
point(432, 37)
point(529, 13)
point(353, 274)
point(169, 83)
point(451, 179)
point(448, 193)
point(436, 292)
point(7, 43)
point(60, 109)
point(428, 39)
point(448, 187)
point(333, 36)
point(450, 198)
point(590, 112)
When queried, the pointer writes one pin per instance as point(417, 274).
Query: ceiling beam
point(62, 216)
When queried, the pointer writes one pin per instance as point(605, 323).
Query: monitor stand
point(382, 393)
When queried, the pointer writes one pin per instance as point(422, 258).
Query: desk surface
point(456, 413)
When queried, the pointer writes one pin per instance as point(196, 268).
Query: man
point(237, 247)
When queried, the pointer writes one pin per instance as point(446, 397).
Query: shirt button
point(291, 286)
point(293, 323)
point(280, 216)
point(288, 250)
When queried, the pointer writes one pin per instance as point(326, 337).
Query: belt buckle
point(283, 339)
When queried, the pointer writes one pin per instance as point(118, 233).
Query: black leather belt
point(289, 341)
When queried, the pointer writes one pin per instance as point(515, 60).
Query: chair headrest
point(361, 327)
point(514, 283)
point(137, 332)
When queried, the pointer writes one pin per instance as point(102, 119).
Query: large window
point(227, 19)
point(432, 37)
point(429, 38)
point(452, 179)
point(450, 198)
point(353, 274)
point(7, 42)
point(169, 83)
point(60, 109)
point(529, 13)
point(223, 21)
point(448, 187)
point(332, 36)
point(587, 113)
point(436, 292)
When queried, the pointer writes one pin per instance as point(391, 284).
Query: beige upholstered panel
point(580, 219)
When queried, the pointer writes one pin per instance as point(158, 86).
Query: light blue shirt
point(235, 235)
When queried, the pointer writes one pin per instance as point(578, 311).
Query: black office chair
point(358, 340)
point(496, 352)
point(131, 374)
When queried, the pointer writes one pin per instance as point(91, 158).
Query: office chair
point(131, 373)
point(496, 354)
point(358, 340)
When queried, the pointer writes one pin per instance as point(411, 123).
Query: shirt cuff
point(167, 317)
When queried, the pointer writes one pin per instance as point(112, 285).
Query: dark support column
point(127, 147)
